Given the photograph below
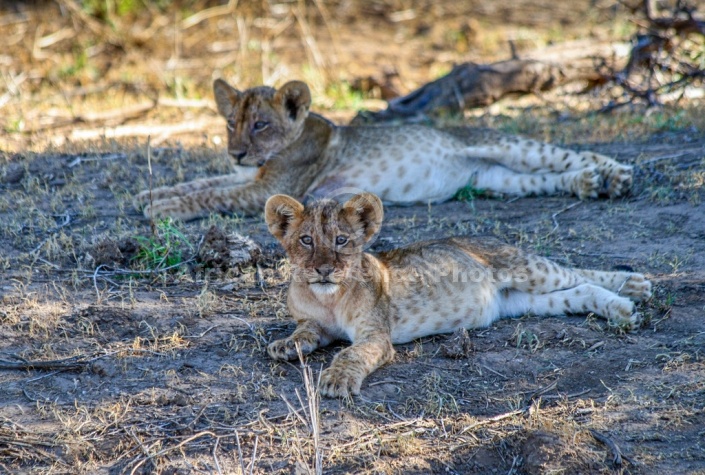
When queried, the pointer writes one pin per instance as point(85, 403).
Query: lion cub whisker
point(337, 291)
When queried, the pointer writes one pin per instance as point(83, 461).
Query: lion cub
point(303, 154)
point(338, 291)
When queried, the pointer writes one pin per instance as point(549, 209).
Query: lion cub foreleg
point(371, 348)
point(308, 336)
point(242, 176)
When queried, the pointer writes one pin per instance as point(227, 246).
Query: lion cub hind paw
point(619, 181)
point(588, 183)
point(621, 313)
point(637, 288)
point(340, 382)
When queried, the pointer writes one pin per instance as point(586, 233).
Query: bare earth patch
point(108, 367)
point(136, 347)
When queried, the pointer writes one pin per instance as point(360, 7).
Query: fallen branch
point(75, 362)
point(144, 130)
point(478, 85)
point(497, 418)
point(118, 115)
point(617, 454)
point(208, 13)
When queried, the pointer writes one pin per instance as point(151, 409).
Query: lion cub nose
point(325, 270)
point(238, 154)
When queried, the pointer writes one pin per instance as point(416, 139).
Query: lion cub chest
point(335, 312)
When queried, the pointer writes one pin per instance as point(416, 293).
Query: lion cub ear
point(226, 97)
point(366, 211)
point(280, 212)
point(294, 98)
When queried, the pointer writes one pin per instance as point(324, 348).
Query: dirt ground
point(128, 348)
point(167, 372)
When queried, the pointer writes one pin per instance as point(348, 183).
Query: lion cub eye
point(306, 240)
point(260, 125)
point(231, 125)
point(341, 240)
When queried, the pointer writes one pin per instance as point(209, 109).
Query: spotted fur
point(340, 292)
point(303, 154)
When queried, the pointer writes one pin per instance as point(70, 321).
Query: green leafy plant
point(166, 248)
point(468, 193)
point(343, 96)
point(104, 10)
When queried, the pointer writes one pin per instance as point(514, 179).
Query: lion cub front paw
point(340, 381)
point(285, 349)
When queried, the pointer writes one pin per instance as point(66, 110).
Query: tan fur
point(303, 154)
point(340, 292)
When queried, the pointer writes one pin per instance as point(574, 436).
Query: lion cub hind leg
point(584, 298)
point(540, 286)
point(628, 284)
point(531, 156)
point(616, 177)
point(584, 183)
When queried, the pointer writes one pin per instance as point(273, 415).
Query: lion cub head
point(262, 121)
point(324, 240)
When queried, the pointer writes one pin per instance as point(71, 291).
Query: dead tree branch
point(665, 56)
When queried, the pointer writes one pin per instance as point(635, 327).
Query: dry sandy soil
point(168, 371)
point(110, 362)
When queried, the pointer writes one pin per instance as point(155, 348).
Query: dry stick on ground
point(65, 364)
point(150, 458)
point(152, 226)
point(141, 130)
point(111, 116)
point(208, 13)
point(74, 362)
point(555, 215)
point(614, 448)
point(532, 400)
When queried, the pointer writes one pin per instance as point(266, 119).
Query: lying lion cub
point(303, 154)
point(340, 292)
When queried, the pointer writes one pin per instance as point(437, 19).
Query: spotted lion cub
point(338, 291)
point(302, 154)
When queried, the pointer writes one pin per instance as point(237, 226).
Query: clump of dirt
point(459, 345)
point(222, 252)
point(12, 174)
point(105, 322)
point(111, 253)
point(547, 452)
